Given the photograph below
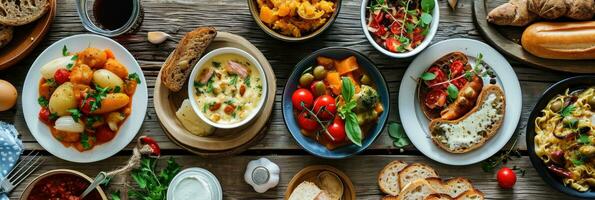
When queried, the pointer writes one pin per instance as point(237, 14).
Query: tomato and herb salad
point(336, 102)
point(399, 25)
point(85, 97)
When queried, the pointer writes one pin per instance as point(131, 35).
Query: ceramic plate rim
point(41, 132)
point(409, 114)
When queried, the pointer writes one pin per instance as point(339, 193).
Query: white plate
point(416, 124)
point(31, 108)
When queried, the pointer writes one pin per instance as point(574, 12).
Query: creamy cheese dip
point(192, 188)
point(475, 127)
point(228, 88)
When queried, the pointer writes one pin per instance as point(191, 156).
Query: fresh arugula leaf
point(64, 51)
point(427, 5)
point(428, 76)
point(452, 91)
point(567, 111)
point(354, 132)
point(426, 18)
point(135, 77)
point(43, 102)
point(75, 113)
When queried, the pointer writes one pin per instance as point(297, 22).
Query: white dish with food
point(227, 88)
point(195, 183)
point(417, 124)
point(56, 58)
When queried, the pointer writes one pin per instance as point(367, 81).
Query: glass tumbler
point(89, 13)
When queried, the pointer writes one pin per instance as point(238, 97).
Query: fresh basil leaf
point(452, 91)
point(347, 89)
point(354, 132)
point(395, 130)
point(426, 18)
point(427, 5)
point(428, 76)
point(401, 142)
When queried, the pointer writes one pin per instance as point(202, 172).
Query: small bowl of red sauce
point(61, 184)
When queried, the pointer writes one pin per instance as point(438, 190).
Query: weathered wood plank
point(362, 170)
point(178, 17)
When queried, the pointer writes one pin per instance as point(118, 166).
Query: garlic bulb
point(262, 174)
point(157, 37)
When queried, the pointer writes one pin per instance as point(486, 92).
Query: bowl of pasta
point(561, 136)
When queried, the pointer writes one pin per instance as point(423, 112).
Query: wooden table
point(179, 16)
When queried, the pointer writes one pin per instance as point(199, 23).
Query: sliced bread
point(438, 196)
point(21, 12)
point(472, 194)
point(438, 185)
point(306, 191)
point(473, 129)
point(416, 190)
point(388, 178)
point(415, 171)
point(389, 197)
point(178, 66)
point(457, 186)
point(5, 35)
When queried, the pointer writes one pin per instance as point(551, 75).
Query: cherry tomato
point(86, 105)
point(302, 95)
point(325, 107)
point(44, 115)
point(396, 28)
point(506, 178)
point(104, 134)
point(435, 98)
point(307, 122)
point(456, 68)
point(337, 130)
point(440, 77)
point(378, 18)
point(62, 76)
point(391, 44)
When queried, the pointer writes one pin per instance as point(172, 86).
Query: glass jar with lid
point(110, 18)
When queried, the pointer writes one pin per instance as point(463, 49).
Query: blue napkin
point(11, 148)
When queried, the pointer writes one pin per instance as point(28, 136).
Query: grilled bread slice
point(388, 178)
point(416, 190)
point(438, 196)
point(474, 128)
point(5, 35)
point(415, 171)
point(178, 66)
point(21, 12)
point(472, 194)
point(452, 187)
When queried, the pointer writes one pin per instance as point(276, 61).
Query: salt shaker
point(262, 174)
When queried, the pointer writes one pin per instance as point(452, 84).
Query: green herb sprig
point(352, 128)
point(152, 184)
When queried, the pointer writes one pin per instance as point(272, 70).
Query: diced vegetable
point(112, 102)
point(324, 61)
point(267, 15)
point(347, 65)
point(333, 78)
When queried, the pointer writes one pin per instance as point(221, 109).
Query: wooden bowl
point(167, 103)
point(31, 185)
point(310, 173)
point(26, 38)
point(254, 11)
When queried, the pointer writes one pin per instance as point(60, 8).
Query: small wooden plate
point(507, 40)
point(310, 173)
point(26, 38)
point(167, 103)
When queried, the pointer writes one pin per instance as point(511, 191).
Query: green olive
point(319, 72)
point(319, 88)
point(592, 102)
point(306, 79)
point(556, 106)
point(366, 80)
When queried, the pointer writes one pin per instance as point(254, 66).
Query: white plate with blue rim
point(41, 131)
point(416, 124)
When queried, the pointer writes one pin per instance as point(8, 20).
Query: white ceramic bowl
point(41, 131)
point(422, 46)
point(200, 65)
point(200, 178)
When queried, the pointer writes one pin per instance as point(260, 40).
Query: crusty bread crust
point(415, 168)
point(490, 133)
point(420, 186)
point(560, 40)
point(438, 196)
point(391, 170)
point(18, 13)
point(189, 50)
point(472, 194)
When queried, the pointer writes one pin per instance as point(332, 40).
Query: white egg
point(9, 95)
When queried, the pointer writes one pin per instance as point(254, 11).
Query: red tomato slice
point(457, 68)
point(440, 77)
point(435, 98)
point(391, 44)
point(44, 115)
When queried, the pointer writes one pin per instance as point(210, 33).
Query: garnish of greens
point(345, 111)
point(151, 183)
point(397, 133)
point(493, 162)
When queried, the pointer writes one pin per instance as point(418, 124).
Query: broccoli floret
point(366, 99)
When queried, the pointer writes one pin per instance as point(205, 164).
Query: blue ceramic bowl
point(313, 146)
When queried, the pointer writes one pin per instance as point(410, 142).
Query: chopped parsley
point(216, 64)
point(135, 77)
point(53, 116)
point(584, 139)
point(234, 79)
point(91, 120)
point(85, 140)
point(43, 102)
point(75, 113)
point(65, 51)
point(567, 111)
point(117, 89)
point(247, 81)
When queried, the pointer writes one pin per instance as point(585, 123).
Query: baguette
point(438, 196)
point(452, 187)
point(475, 128)
point(560, 40)
point(415, 171)
point(416, 190)
point(472, 194)
point(178, 66)
point(388, 178)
